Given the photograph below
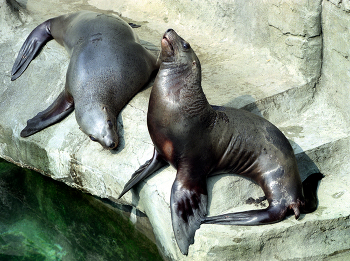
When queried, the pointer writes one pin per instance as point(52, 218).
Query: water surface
point(42, 219)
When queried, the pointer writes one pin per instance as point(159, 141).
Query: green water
point(42, 219)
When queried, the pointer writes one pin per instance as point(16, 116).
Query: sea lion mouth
point(167, 46)
point(167, 42)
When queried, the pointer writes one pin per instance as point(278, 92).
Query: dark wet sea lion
point(107, 68)
point(201, 140)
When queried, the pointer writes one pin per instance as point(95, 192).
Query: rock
point(274, 58)
point(335, 78)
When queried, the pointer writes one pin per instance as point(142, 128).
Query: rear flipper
point(58, 110)
point(250, 218)
point(188, 203)
point(144, 171)
point(31, 48)
point(272, 214)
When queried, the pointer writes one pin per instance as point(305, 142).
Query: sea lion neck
point(177, 88)
point(180, 86)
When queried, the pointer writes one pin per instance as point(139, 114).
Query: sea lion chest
point(176, 134)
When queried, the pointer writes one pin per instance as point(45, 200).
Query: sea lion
point(201, 140)
point(107, 68)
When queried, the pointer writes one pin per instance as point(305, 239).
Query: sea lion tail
point(310, 185)
point(31, 48)
point(144, 171)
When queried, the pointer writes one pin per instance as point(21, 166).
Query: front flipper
point(188, 204)
point(31, 48)
point(58, 110)
point(144, 171)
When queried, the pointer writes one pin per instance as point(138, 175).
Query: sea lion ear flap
point(188, 209)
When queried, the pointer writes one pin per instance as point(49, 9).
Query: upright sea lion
point(107, 68)
point(201, 140)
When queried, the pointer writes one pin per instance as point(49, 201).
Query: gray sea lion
point(107, 68)
point(201, 140)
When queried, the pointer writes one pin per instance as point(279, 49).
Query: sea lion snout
point(110, 140)
point(168, 33)
point(166, 43)
point(172, 38)
point(112, 145)
point(107, 142)
point(100, 126)
point(175, 48)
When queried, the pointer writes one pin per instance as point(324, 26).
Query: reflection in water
point(42, 219)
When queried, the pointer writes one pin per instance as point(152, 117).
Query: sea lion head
point(100, 124)
point(176, 52)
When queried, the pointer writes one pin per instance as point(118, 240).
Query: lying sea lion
point(201, 140)
point(107, 68)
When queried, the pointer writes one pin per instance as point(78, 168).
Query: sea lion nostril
point(169, 30)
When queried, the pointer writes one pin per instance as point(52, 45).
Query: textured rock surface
point(285, 60)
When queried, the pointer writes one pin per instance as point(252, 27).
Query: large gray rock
point(275, 58)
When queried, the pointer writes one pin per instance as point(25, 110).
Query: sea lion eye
point(186, 45)
point(110, 124)
point(92, 138)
